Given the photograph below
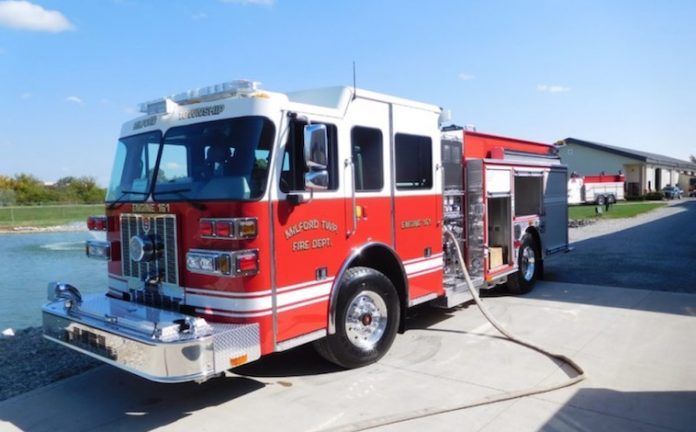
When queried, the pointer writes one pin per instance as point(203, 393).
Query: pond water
point(28, 262)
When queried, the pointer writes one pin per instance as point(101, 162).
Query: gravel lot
point(28, 361)
point(655, 251)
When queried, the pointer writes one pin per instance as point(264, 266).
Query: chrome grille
point(164, 228)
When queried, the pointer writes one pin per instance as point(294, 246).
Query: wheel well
point(382, 258)
point(537, 239)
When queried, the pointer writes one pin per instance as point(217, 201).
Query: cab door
point(417, 199)
point(309, 235)
point(366, 183)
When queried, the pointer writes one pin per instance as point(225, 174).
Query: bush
point(7, 197)
point(26, 189)
point(654, 196)
point(636, 198)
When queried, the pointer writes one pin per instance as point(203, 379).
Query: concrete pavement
point(637, 347)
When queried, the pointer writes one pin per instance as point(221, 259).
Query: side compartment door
point(554, 235)
point(475, 220)
point(417, 199)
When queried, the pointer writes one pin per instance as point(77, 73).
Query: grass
point(616, 211)
point(47, 215)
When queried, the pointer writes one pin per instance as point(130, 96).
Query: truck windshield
point(224, 159)
point(219, 160)
point(134, 165)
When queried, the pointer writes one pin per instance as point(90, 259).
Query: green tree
point(79, 189)
point(6, 182)
point(7, 193)
point(693, 158)
point(7, 197)
point(30, 190)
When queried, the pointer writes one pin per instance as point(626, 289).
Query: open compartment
point(499, 235)
point(529, 195)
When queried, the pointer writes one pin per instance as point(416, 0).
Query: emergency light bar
point(238, 88)
point(241, 88)
point(158, 106)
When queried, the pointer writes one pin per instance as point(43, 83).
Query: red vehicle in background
point(595, 189)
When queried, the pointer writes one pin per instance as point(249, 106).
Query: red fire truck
point(242, 222)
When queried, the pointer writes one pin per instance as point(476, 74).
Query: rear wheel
point(611, 199)
point(367, 318)
point(528, 267)
point(600, 200)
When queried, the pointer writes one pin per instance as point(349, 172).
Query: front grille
point(163, 227)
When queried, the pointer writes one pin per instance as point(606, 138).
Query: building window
point(366, 145)
point(414, 162)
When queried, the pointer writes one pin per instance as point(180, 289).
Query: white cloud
point(552, 88)
point(26, 95)
point(251, 2)
point(199, 16)
point(23, 15)
point(465, 77)
point(130, 110)
point(74, 99)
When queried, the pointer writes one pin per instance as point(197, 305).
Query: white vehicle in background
point(595, 189)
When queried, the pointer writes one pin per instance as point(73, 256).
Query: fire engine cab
point(241, 222)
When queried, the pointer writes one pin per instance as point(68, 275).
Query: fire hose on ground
point(436, 410)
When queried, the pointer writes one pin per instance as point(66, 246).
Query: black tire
point(522, 281)
point(356, 346)
point(600, 200)
point(611, 199)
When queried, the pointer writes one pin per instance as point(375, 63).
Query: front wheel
point(600, 200)
point(528, 267)
point(367, 319)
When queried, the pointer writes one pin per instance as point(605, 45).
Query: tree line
point(26, 189)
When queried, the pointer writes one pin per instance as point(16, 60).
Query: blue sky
point(618, 72)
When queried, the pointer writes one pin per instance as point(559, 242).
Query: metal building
point(644, 172)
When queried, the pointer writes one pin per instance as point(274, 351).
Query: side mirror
point(316, 157)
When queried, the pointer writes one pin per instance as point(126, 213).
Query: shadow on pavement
point(304, 360)
point(658, 255)
point(594, 409)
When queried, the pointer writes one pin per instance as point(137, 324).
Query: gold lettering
point(411, 224)
point(144, 208)
point(300, 245)
point(321, 243)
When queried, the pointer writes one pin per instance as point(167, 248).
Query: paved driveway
point(658, 253)
point(636, 346)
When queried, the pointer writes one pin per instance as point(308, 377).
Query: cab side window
point(414, 161)
point(366, 148)
point(293, 169)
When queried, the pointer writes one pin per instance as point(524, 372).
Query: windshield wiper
point(117, 202)
point(180, 193)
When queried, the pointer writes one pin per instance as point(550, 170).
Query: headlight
point(223, 263)
point(98, 249)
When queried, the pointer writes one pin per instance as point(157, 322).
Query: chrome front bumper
point(156, 344)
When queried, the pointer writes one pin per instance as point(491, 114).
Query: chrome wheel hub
point(366, 320)
point(527, 263)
